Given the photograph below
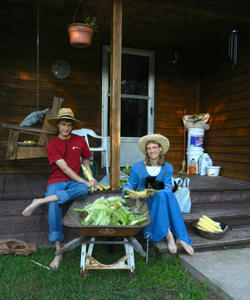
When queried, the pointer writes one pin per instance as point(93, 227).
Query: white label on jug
point(196, 141)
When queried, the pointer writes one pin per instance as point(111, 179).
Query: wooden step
point(229, 213)
point(238, 237)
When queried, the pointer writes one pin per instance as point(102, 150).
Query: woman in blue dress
point(167, 222)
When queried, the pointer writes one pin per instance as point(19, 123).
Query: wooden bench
point(17, 149)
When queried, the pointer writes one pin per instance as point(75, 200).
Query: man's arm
point(86, 164)
point(71, 174)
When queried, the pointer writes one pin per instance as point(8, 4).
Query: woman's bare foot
point(30, 208)
point(56, 262)
point(172, 248)
point(189, 249)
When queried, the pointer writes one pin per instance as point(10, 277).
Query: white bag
point(182, 194)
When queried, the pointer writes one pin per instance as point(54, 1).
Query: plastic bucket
point(213, 171)
point(194, 153)
point(195, 137)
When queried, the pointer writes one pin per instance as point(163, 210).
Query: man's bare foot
point(30, 208)
point(172, 248)
point(56, 262)
point(189, 249)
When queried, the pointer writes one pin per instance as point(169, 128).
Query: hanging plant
point(80, 34)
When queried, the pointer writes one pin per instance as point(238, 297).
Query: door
point(137, 100)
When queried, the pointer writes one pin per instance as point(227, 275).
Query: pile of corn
point(207, 224)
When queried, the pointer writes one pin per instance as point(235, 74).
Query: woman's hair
point(161, 159)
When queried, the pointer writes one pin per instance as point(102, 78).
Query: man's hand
point(91, 183)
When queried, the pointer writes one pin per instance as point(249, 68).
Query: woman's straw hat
point(65, 114)
point(158, 138)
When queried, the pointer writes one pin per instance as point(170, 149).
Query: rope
point(37, 56)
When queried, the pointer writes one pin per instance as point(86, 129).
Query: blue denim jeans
point(65, 191)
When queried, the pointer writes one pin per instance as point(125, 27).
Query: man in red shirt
point(65, 152)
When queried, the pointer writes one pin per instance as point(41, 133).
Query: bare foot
point(56, 262)
point(172, 248)
point(189, 249)
point(30, 208)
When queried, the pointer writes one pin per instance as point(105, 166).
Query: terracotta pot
point(80, 35)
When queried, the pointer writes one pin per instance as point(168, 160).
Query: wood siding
point(18, 81)
point(176, 87)
point(225, 94)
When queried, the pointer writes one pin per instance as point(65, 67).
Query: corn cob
point(208, 224)
point(141, 194)
point(99, 187)
point(212, 222)
point(105, 186)
point(89, 177)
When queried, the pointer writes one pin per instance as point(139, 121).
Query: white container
point(213, 171)
point(195, 137)
point(194, 153)
point(204, 162)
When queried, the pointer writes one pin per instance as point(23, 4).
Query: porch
point(224, 199)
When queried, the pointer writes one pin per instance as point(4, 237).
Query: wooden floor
point(29, 186)
point(224, 199)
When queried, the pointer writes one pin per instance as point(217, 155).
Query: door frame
point(151, 90)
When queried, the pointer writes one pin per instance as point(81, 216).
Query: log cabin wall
point(225, 94)
point(18, 82)
point(176, 92)
point(175, 88)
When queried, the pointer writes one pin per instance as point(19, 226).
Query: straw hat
point(158, 138)
point(65, 114)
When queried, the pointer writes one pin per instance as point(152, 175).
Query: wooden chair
point(17, 149)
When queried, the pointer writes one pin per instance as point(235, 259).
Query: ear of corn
point(141, 194)
point(99, 187)
point(207, 224)
point(89, 177)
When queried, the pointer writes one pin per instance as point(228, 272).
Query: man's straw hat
point(65, 114)
point(158, 138)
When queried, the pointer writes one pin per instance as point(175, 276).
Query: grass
point(160, 278)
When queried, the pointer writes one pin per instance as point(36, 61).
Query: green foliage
point(110, 211)
point(161, 278)
point(92, 22)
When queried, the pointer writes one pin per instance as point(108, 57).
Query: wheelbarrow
point(88, 235)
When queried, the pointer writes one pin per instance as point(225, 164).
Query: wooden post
point(115, 94)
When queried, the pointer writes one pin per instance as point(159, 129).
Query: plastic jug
point(204, 162)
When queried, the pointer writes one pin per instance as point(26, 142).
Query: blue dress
point(163, 206)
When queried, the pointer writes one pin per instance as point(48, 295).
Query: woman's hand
point(147, 193)
point(133, 195)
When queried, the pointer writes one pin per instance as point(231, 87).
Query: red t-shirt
point(71, 151)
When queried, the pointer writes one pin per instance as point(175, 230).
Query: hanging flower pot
point(80, 34)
